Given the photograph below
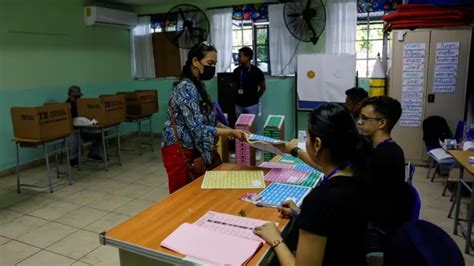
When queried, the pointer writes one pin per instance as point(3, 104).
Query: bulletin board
point(323, 78)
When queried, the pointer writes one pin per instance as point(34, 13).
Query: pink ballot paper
point(210, 246)
point(231, 225)
point(289, 176)
point(276, 165)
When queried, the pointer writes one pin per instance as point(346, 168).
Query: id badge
point(241, 91)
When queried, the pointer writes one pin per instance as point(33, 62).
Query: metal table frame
point(58, 149)
point(139, 121)
point(465, 232)
point(105, 137)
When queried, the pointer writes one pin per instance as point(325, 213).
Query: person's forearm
point(223, 132)
point(261, 91)
point(284, 254)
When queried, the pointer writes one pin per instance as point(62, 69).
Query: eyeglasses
point(366, 118)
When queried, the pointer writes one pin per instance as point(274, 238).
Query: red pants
point(178, 174)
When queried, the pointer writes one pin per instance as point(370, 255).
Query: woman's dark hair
point(198, 51)
point(335, 126)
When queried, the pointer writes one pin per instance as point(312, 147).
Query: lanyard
point(242, 75)
point(326, 178)
point(389, 140)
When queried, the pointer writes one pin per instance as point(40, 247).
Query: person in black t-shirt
point(250, 85)
point(332, 223)
point(75, 93)
point(386, 167)
point(354, 98)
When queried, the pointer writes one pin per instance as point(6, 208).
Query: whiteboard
point(325, 77)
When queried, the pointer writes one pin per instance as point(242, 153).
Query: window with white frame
point(255, 36)
point(250, 28)
point(369, 42)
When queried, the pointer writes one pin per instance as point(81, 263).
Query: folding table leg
point(435, 169)
point(469, 223)
point(104, 146)
point(151, 134)
point(458, 201)
point(139, 123)
point(119, 149)
point(46, 154)
point(69, 174)
point(18, 167)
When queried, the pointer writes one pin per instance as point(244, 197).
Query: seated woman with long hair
point(332, 222)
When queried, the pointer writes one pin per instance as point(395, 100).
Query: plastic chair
point(376, 257)
point(459, 134)
point(414, 202)
point(409, 172)
point(421, 243)
point(435, 129)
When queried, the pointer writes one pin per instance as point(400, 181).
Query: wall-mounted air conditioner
point(96, 15)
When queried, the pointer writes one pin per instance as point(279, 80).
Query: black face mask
point(208, 73)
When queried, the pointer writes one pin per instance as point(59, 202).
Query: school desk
point(106, 132)
point(139, 238)
point(462, 157)
point(140, 121)
point(50, 147)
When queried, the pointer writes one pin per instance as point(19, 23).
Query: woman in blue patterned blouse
point(193, 110)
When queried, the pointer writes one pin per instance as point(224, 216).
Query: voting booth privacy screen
point(325, 77)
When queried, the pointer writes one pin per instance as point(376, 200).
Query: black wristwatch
point(294, 151)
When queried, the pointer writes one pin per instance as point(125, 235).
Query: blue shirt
point(195, 122)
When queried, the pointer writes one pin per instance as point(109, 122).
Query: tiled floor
point(61, 228)
point(40, 228)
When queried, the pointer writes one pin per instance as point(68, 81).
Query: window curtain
point(221, 36)
point(143, 63)
point(282, 43)
point(341, 26)
point(183, 56)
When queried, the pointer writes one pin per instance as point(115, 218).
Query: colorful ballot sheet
point(305, 168)
point(286, 176)
point(233, 180)
point(311, 180)
point(287, 158)
point(272, 165)
point(264, 143)
point(276, 193)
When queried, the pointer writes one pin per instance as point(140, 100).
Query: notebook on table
point(217, 238)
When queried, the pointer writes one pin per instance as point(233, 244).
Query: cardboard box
point(107, 109)
point(141, 102)
point(42, 123)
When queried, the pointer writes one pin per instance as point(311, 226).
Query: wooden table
point(139, 238)
point(462, 157)
point(59, 144)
